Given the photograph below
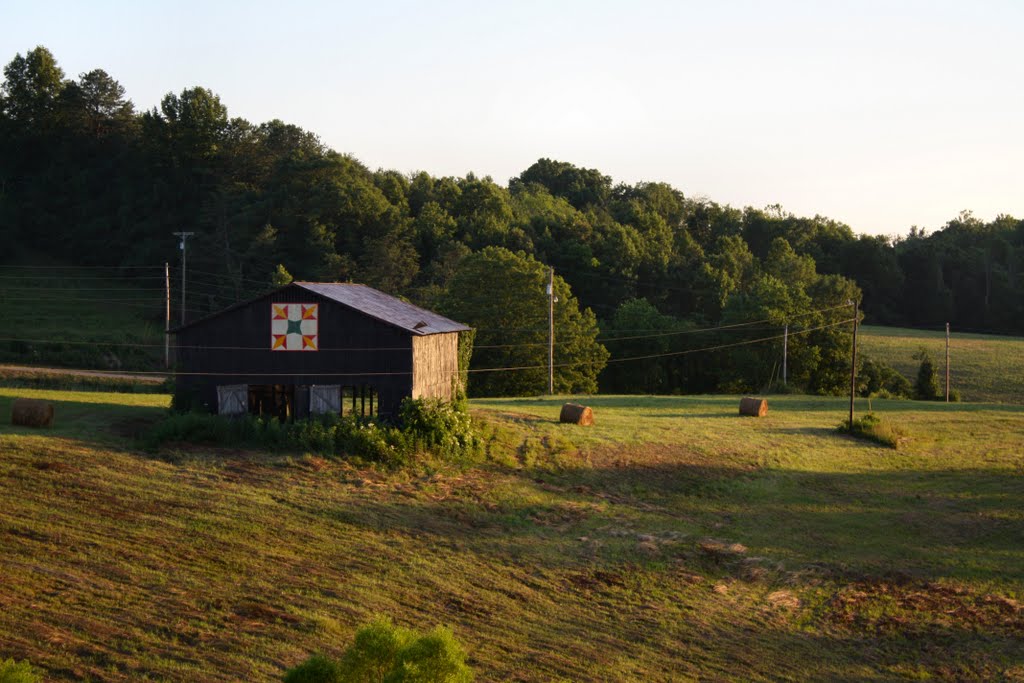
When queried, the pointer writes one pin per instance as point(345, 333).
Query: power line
point(74, 299)
point(81, 277)
point(82, 289)
point(399, 348)
point(233, 278)
point(677, 332)
point(664, 355)
point(30, 267)
point(471, 370)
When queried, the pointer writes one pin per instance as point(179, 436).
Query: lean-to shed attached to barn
point(314, 347)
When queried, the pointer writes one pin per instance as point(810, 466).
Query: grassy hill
point(86, 318)
point(671, 541)
point(984, 367)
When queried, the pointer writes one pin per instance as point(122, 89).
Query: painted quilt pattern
point(294, 327)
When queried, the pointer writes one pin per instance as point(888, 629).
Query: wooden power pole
point(551, 331)
point(947, 362)
point(853, 360)
point(184, 236)
point(167, 315)
point(785, 353)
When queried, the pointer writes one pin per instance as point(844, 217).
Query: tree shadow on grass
point(93, 421)
point(959, 524)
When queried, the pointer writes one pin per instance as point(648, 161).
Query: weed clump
point(385, 653)
point(873, 428)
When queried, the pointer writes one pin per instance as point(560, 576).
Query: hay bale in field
point(755, 407)
point(574, 413)
point(27, 412)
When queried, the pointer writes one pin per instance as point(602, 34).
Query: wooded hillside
point(88, 179)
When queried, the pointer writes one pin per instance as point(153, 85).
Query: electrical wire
point(82, 277)
point(203, 347)
point(76, 267)
point(471, 370)
point(83, 289)
point(666, 354)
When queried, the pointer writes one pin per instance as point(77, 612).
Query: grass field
point(983, 367)
point(671, 541)
point(95, 316)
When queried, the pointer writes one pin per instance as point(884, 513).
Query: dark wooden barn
point(314, 347)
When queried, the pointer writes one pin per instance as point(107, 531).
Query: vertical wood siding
point(435, 363)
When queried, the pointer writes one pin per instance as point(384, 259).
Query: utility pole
point(853, 362)
point(551, 331)
point(947, 362)
point(167, 316)
point(184, 236)
point(785, 353)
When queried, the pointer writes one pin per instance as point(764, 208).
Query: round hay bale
point(574, 413)
point(27, 412)
point(755, 407)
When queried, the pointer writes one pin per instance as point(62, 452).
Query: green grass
point(33, 378)
point(983, 367)
point(673, 540)
point(94, 320)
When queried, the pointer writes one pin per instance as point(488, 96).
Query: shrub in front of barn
point(443, 428)
point(430, 426)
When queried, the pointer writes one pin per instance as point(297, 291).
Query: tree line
point(86, 177)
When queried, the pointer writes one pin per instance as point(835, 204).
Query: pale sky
point(880, 114)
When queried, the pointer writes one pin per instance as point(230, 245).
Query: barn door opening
point(272, 400)
point(361, 401)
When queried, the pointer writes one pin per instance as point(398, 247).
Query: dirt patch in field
point(595, 580)
point(54, 466)
point(893, 606)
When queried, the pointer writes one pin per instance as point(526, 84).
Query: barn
point(316, 347)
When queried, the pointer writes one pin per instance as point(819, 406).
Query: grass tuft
point(873, 428)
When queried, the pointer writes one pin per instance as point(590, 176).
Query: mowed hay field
point(983, 367)
point(672, 540)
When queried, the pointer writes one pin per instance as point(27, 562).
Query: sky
point(882, 115)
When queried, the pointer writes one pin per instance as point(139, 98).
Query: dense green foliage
point(316, 669)
point(88, 179)
point(385, 653)
point(875, 378)
point(427, 425)
point(17, 672)
point(497, 291)
point(926, 387)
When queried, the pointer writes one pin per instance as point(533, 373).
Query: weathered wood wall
point(435, 365)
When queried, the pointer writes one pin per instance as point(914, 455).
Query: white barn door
point(324, 399)
point(233, 399)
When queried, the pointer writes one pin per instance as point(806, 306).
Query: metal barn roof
point(366, 300)
point(384, 307)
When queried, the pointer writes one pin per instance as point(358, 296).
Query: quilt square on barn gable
point(294, 327)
